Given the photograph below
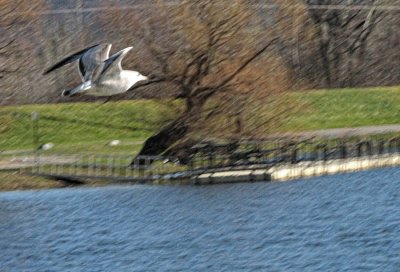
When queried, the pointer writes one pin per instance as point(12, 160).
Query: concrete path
point(343, 132)
point(29, 161)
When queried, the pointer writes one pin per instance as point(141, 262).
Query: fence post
point(293, 159)
point(394, 145)
point(35, 137)
point(343, 150)
point(359, 149)
point(324, 151)
point(191, 163)
point(369, 148)
point(381, 147)
point(397, 144)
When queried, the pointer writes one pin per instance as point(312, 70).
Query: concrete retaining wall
point(300, 170)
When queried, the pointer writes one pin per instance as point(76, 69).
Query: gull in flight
point(101, 75)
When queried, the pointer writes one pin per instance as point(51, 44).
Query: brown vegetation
point(341, 37)
point(220, 62)
point(223, 61)
point(20, 34)
point(330, 46)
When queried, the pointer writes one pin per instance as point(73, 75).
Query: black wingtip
point(66, 93)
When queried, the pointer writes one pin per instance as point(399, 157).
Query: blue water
point(348, 222)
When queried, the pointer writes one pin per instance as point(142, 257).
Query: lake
point(347, 222)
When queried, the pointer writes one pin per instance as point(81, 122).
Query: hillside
point(89, 127)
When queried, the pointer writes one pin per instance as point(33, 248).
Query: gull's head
point(142, 77)
point(134, 76)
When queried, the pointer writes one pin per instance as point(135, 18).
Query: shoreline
point(302, 170)
point(14, 180)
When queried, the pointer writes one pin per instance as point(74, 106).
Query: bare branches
point(16, 20)
point(212, 89)
point(341, 34)
point(214, 54)
point(6, 44)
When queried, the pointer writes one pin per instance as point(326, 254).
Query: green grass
point(88, 127)
point(85, 127)
point(346, 108)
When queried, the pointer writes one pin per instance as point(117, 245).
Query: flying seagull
point(88, 60)
point(108, 78)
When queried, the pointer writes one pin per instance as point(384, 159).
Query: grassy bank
point(89, 127)
point(346, 108)
point(82, 126)
point(13, 180)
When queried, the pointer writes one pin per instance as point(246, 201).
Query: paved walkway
point(344, 132)
point(29, 161)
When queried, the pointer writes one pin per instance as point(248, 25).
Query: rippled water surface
point(348, 222)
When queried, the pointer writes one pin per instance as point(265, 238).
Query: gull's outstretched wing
point(112, 64)
point(89, 58)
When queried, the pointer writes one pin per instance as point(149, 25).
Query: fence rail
point(203, 159)
point(269, 154)
point(80, 9)
point(100, 166)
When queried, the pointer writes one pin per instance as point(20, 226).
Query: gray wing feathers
point(89, 58)
point(112, 64)
point(67, 60)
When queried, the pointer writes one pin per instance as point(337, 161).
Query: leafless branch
point(210, 90)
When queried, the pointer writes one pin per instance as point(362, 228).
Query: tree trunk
point(174, 132)
point(166, 137)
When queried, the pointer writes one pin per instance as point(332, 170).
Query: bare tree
point(385, 53)
point(7, 21)
point(219, 60)
point(342, 35)
point(17, 35)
